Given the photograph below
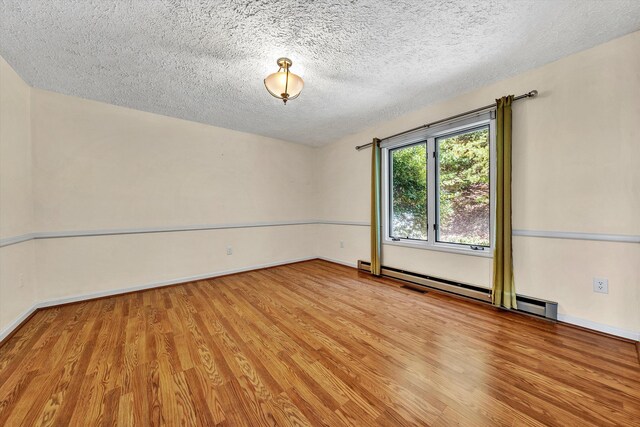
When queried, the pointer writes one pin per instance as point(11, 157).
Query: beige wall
point(70, 267)
point(102, 167)
point(99, 166)
point(15, 161)
point(575, 168)
point(17, 293)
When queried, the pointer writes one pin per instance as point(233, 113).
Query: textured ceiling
point(362, 61)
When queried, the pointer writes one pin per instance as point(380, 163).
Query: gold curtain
point(376, 248)
point(504, 291)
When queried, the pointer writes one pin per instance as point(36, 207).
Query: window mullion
point(431, 191)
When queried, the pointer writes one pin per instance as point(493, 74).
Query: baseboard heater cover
point(535, 306)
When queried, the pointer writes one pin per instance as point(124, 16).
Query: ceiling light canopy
point(283, 84)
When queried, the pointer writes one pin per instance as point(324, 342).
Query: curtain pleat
point(376, 244)
point(504, 292)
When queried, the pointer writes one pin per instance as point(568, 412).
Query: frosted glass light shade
point(284, 84)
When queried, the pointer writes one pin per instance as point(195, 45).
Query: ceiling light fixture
point(283, 84)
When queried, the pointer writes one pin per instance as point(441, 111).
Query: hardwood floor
point(312, 343)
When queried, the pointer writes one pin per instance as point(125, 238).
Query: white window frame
point(429, 135)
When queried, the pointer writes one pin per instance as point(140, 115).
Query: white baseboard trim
point(93, 295)
point(611, 330)
point(13, 325)
point(159, 284)
point(337, 261)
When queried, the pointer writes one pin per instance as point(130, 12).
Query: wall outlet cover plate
point(600, 285)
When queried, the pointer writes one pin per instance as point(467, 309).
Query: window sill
point(487, 253)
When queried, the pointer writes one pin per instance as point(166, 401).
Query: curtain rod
point(530, 94)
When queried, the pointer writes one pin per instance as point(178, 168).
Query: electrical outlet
point(600, 285)
point(342, 243)
point(229, 250)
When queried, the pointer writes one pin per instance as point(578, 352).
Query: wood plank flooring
point(312, 343)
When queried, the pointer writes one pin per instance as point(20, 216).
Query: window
point(409, 192)
point(463, 215)
point(438, 188)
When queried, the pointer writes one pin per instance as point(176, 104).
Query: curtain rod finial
point(533, 93)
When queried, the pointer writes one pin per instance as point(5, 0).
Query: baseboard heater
point(535, 306)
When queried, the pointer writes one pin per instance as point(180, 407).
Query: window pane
point(408, 191)
point(463, 188)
